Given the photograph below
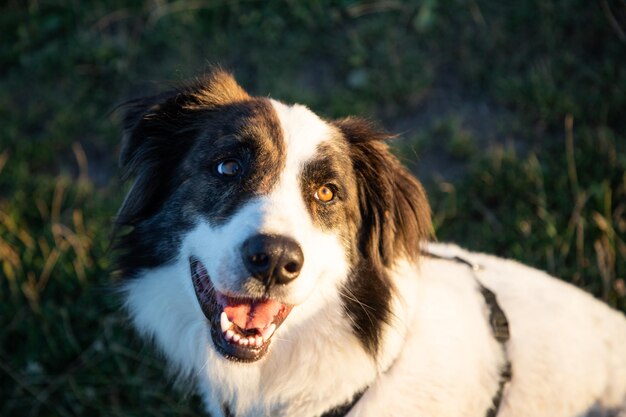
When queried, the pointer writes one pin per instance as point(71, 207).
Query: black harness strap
point(342, 410)
point(499, 328)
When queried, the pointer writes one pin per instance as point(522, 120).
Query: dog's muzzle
point(242, 326)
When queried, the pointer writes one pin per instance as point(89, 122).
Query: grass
point(512, 115)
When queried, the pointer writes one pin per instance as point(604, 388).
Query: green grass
point(512, 114)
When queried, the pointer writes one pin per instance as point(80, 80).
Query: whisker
point(203, 367)
point(366, 306)
point(363, 305)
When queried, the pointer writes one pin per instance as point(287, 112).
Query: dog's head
point(273, 212)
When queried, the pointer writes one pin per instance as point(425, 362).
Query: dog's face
point(274, 211)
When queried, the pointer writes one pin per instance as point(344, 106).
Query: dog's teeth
point(230, 333)
point(268, 332)
point(224, 322)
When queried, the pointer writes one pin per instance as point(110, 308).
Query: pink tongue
point(247, 314)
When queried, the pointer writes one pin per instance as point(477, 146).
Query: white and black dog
point(281, 260)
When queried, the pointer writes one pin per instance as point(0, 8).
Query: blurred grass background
point(511, 113)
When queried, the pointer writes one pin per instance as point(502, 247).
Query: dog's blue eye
point(229, 168)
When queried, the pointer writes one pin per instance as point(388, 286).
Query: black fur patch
point(172, 145)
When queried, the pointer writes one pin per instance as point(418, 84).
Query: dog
point(285, 264)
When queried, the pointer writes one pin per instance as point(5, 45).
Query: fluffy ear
point(159, 130)
point(394, 208)
point(395, 219)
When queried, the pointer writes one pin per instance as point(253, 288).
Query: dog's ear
point(394, 209)
point(395, 218)
point(159, 130)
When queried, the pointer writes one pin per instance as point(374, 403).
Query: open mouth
point(241, 327)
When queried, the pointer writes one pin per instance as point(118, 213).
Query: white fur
point(438, 357)
point(163, 305)
point(568, 350)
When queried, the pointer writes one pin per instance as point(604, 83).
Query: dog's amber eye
point(324, 194)
point(229, 168)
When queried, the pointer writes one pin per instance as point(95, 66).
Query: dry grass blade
point(569, 150)
point(4, 157)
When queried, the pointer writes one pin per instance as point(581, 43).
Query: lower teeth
point(232, 336)
point(252, 338)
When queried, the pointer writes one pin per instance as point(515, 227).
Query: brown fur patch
point(217, 88)
point(393, 203)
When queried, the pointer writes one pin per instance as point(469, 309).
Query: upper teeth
point(231, 333)
point(225, 323)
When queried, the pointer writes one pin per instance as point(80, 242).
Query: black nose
point(272, 259)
